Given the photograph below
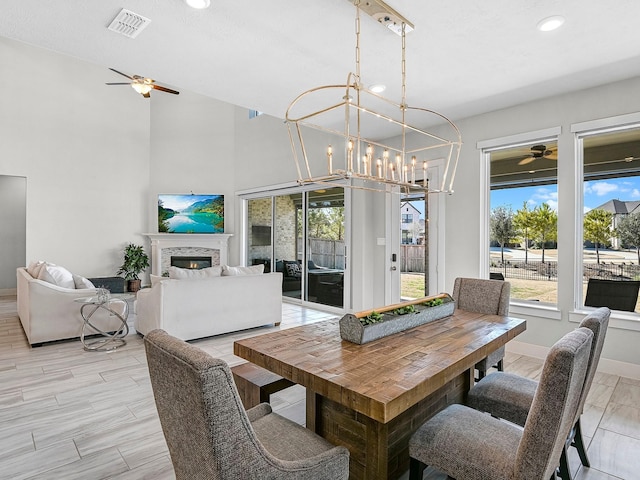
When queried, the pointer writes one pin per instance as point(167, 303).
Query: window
point(407, 218)
point(522, 217)
point(611, 205)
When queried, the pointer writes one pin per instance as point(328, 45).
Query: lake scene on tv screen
point(190, 213)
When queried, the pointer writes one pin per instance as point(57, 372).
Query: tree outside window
point(629, 232)
point(597, 229)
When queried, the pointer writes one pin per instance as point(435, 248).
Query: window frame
point(582, 130)
point(485, 147)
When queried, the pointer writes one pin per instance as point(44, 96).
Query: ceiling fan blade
point(165, 89)
point(118, 83)
point(552, 156)
point(526, 160)
point(123, 74)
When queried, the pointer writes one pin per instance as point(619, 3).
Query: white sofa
point(48, 312)
point(196, 308)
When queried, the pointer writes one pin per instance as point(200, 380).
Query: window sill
point(621, 320)
point(534, 309)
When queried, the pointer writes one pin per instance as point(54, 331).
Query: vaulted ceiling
point(463, 58)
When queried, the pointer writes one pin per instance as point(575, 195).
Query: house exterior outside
point(619, 209)
point(412, 229)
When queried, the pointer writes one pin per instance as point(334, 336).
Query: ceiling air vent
point(128, 23)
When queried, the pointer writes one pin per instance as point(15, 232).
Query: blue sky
point(596, 193)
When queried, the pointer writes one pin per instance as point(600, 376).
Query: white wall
point(193, 150)
point(84, 149)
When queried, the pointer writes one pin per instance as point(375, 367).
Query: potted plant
point(135, 261)
point(364, 327)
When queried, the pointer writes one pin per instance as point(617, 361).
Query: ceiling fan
point(142, 85)
point(540, 151)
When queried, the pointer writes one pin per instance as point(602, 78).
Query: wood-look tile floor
point(70, 414)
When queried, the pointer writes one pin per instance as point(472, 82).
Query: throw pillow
point(57, 275)
point(235, 271)
point(182, 273)
point(156, 279)
point(81, 282)
point(293, 269)
point(35, 268)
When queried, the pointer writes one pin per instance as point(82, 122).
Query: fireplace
point(164, 246)
point(193, 263)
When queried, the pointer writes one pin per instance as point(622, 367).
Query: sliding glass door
point(302, 235)
point(325, 242)
point(288, 223)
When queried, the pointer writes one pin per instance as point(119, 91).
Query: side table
point(107, 341)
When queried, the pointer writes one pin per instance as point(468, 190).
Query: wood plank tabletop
point(383, 378)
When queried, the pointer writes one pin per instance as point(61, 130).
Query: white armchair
point(48, 312)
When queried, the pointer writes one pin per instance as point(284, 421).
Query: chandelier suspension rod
point(357, 86)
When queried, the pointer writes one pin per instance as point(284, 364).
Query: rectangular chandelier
point(373, 140)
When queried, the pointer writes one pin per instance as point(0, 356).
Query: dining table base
point(379, 450)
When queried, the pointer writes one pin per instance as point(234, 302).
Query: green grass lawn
point(412, 285)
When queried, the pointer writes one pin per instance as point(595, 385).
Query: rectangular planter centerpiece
point(366, 326)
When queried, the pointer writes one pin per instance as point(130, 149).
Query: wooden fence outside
point(412, 258)
point(330, 254)
point(327, 253)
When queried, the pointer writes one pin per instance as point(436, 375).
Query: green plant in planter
point(135, 261)
point(433, 303)
point(404, 310)
point(373, 317)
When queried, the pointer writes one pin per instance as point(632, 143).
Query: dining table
point(372, 397)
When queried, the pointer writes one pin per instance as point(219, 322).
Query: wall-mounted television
point(190, 213)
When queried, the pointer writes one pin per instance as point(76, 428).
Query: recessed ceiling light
point(550, 23)
point(378, 88)
point(199, 4)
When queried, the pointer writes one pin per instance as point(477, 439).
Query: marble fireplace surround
point(163, 245)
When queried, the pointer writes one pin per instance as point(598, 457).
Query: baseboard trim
point(606, 365)
point(8, 292)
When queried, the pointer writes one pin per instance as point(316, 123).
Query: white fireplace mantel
point(160, 241)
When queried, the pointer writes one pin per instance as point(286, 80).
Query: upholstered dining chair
point(208, 432)
point(468, 444)
point(484, 296)
point(509, 396)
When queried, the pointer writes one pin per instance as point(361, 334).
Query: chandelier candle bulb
point(424, 174)
point(413, 170)
point(405, 174)
point(385, 163)
point(330, 159)
point(399, 165)
point(350, 155)
point(393, 173)
point(379, 168)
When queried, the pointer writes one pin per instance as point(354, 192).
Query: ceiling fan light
point(142, 88)
point(378, 88)
point(550, 23)
point(199, 4)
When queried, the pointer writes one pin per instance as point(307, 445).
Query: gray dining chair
point(509, 396)
point(211, 436)
point(484, 296)
point(468, 444)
